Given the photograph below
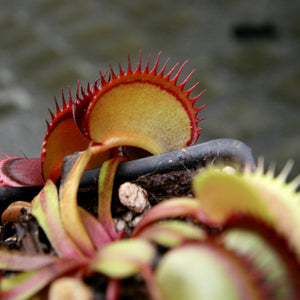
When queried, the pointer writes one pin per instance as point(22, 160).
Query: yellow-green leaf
point(69, 208)
point(124, 258)
point(45, 208)
point(172, 233)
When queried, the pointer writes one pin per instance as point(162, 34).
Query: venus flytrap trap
point(265, 254)
point(146, 109)
point(20, 171)
point(129, 98)
point(264, 196)
point(63, 137)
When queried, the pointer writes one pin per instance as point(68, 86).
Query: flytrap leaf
point(20, 171)
point(105, 190)
point(45, 208)
point(94, 228)
point(172, 233)
point(19, 261)
point(276, 272)
point(24, 285)
point(69, 210)
point(146, 109)
point(274, 263)
point(173, 208)
point(270, 199)
point(203, 271)
point(63, 138)
point(124, 258)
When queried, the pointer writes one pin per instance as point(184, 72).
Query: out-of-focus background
point(246, 54)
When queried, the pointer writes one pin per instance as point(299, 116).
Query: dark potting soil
point(27, 236)
point(158, 186)
point(164, 186)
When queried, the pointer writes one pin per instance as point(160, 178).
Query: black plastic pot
point(226, 151)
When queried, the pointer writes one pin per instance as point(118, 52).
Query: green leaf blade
point(172, 233)
point(19, 261)
point(105, 187)
point(94, 228)
point(176, 207)
point(220, 194)
point(69, 208)
point(45, 208)
point(124, 258)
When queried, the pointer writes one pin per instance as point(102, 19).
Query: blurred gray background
point(246, 54)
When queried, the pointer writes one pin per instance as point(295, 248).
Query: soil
point(164, 186)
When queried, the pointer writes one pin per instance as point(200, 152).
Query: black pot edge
point(226, 151)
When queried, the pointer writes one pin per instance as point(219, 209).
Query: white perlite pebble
point(135, 221)
point(133, 196)
point(119, 224)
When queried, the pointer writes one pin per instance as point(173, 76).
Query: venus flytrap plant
point(225, 242)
